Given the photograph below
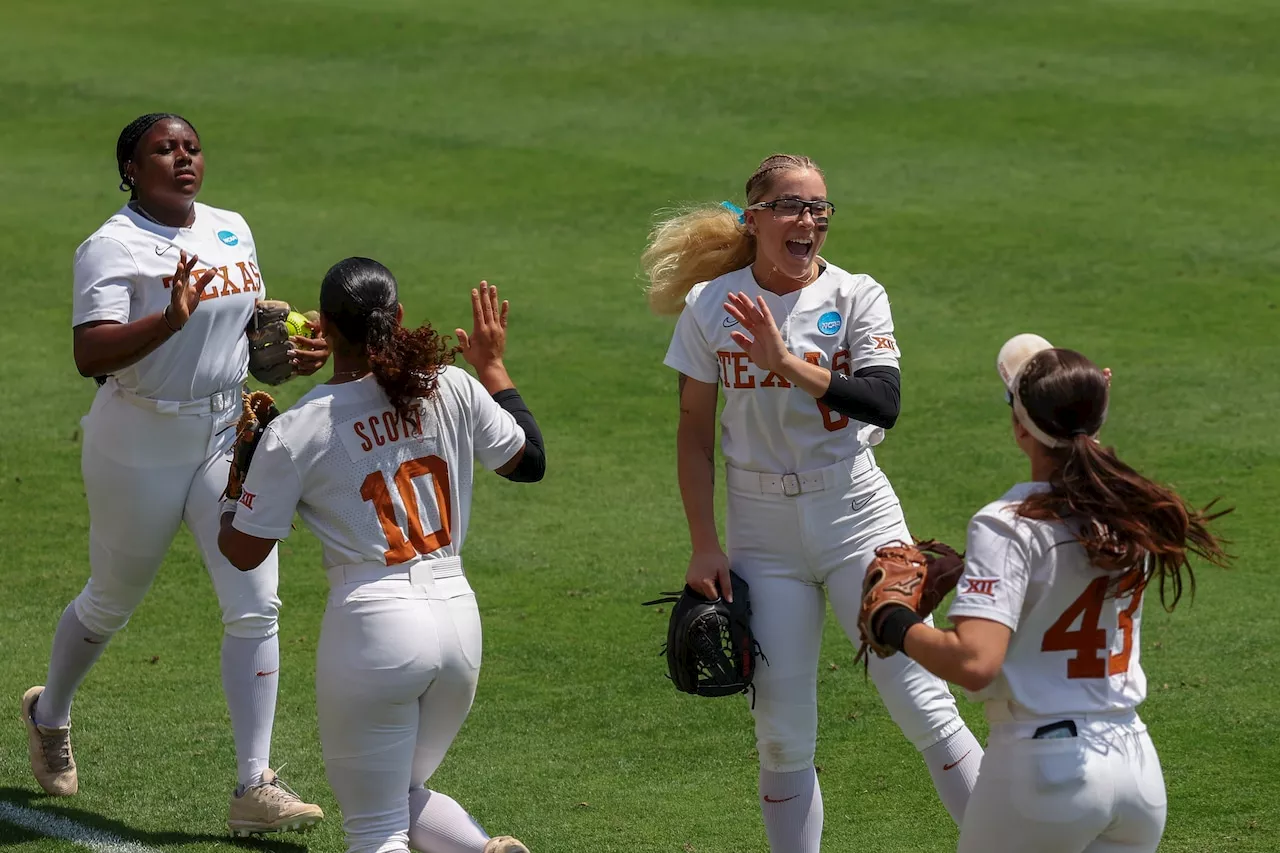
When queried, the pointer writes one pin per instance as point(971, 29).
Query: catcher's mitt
point(710, 648)
point(270, 350)
point(259, 410)
point(916, 576)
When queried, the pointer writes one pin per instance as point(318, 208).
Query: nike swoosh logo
point(277, 669)
point(731, 321)
point(160, 250)
point(859, 504)
point(957, 761)
point(94, 642)
point(769, 799)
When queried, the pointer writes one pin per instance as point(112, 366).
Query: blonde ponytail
point(706, 242)
point(691, 247)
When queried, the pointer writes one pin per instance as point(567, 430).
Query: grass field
point(1103, 173)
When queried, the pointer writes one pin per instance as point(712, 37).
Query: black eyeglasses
point(794, 208)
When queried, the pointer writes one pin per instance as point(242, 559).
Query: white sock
point(953, 764)
point(250, 678)
point(437, 824)
point(792, 808)
point(75, 650)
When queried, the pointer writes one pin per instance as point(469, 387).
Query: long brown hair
point(360, 297)
point(704, 242)
point(1127, 523)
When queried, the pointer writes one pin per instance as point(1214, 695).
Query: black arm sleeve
point(533, 464)
point(872, 395)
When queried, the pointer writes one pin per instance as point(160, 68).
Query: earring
point(125, 186)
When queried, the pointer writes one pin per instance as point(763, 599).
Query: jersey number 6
point(375, 490)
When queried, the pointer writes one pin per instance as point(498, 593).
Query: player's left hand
point(765, 346)
point(309, 353)
point(485, 347)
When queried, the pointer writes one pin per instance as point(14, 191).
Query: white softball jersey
point(1075, 647)
point(841, 321)
point(123, 272)
point(374, 487)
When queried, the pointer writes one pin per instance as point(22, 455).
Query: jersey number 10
point(1089, 640)
point(375, 490)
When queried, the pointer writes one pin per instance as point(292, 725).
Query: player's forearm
point(871, 395)
point(695, 466)
point(946, 655)
point(494, 377)
point(109, 347)
point(813, 379)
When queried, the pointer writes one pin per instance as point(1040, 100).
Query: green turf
point(1102, 173)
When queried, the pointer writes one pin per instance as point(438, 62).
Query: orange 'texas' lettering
point(377, 430)
point(735, 369)
point(252, 283)
point(774, 380)
point(742, 376)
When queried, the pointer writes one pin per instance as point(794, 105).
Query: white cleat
point(50, 750)
point(270, 806)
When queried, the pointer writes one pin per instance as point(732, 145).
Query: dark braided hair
point(127, 144)
point(359, 296)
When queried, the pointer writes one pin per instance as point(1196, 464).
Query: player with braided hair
point(806, 398)
point(379, 463)
point(164, 292)
point(1048, 616)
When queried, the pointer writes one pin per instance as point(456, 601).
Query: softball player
point(1048, 615)
point(379, 463)
point(805, 401)
point(163, 293)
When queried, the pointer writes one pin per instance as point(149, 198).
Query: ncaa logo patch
point(830, 323)
point(229, 238)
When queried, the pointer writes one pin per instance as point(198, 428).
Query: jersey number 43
point(403, 545)
point(1089, 641)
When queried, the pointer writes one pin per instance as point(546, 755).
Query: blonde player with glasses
point(1047, 623)
point(379, 463)
point(806, 398)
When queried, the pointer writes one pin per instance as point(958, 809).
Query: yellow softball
point(297, 324)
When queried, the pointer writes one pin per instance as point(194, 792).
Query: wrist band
point(164, 315)
point(895, 624)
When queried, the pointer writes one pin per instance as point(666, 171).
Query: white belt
point(221, 401)
point(420, 573)
point(1008, 721)
point(838, 475)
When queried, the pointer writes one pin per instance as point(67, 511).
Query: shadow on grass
point(12, 834)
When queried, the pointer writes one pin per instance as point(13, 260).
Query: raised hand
point(184, 296)
point(485, 347)
point(765, 346)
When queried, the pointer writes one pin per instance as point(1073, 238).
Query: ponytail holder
point(1079, 431)
point(733, 208)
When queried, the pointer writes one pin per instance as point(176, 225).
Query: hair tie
point(1079, 431)
point(733, 208)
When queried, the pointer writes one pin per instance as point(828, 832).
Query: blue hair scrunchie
point(733, 208)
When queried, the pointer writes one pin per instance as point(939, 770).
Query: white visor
point(1014, 355)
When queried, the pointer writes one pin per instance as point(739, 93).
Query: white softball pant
point(147, 468)
point(791, 538)
point(396, 671)
point(1099, 792)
